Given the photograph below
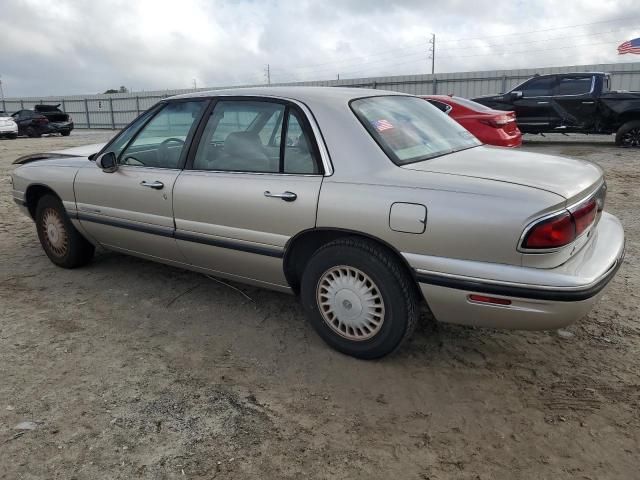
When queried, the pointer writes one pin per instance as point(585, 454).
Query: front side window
point(246, 136)
point(538, 87)
point(409, 130)
point(118, 144)
point(161, 143)
point(574, 86)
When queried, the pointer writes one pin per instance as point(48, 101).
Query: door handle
point(543, 103)
point(155, 184)
point(588, 103)
point(286, 196)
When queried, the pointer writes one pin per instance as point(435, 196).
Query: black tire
point(65, 133)
point(391, 283)
point(60, 240)
point(13, 136)
point(628, 135)
point(32, 133)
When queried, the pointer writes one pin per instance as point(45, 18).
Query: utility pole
point(1, 94)
point(432, 53)
point(195, 85)
point(267, 74)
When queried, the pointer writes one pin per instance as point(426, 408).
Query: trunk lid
point(566, 177)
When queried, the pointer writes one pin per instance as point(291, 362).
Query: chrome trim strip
point(232, 244)
point(518, 290)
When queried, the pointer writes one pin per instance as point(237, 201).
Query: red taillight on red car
point(498, 122)
point(584, 215)
point(561, 229)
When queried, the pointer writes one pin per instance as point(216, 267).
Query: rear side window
point(538, 87)
point(409, 130)
point(443, 107)
point(246, 136)
point(574, 86)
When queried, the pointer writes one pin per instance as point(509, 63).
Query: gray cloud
point(59, 47)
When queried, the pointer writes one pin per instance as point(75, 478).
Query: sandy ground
point(131, 369)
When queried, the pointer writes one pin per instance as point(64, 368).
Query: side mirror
point(107, 162)
point(516, 95)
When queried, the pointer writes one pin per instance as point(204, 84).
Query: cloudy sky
point(56, 47)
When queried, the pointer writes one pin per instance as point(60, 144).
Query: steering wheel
point(163, 150)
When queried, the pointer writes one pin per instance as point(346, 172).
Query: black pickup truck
point(572, 102)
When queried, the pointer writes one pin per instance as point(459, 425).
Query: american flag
point(382, 125)
point(632, 46)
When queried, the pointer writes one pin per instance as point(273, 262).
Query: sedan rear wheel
point(60, 240)
point(359, 298)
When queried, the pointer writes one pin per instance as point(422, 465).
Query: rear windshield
point(470, 104)
point(411, 130)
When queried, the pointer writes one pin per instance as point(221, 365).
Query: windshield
point(411, 130)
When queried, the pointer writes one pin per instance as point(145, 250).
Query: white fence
point(117, 110)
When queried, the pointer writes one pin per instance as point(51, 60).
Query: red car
point(493, 127)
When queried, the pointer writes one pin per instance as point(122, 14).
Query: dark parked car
point(30, 123)
point(59, 122)
point(572, 102)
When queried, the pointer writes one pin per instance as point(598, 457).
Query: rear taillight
point(584, 215)
point(498, 122)
point(561, 229)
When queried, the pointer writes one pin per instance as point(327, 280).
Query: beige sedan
point(364, 203)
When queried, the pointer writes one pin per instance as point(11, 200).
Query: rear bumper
point(501, 138)
point(9, 129)
point(55, 127)
point(540, 298)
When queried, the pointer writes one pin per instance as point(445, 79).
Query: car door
point(574, 98)
point(23, 119)
point(131, 210)
point(534, 109)
point(252, 183)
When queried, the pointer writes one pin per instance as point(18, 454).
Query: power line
point(354, 73)
point(615, 20)
point(381, 53)
point(551, 39)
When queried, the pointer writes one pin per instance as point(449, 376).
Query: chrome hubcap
point(54, 232)
point(350, 303)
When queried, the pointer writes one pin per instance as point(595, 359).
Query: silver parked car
point(363, 202)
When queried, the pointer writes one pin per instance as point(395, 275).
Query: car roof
point(573, 74)
point(302, 94)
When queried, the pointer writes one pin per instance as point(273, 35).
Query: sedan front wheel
point(60, 240)
point(359, 298)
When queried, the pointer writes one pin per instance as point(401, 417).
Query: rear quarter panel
point(461, 223)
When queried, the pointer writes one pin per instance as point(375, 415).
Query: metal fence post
point(504, 83)
point(113, 121)
point(4, 106)
point(434, 84)
point(21, 104)
point(86, 110)
point(137, 105)
point(64, 106)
